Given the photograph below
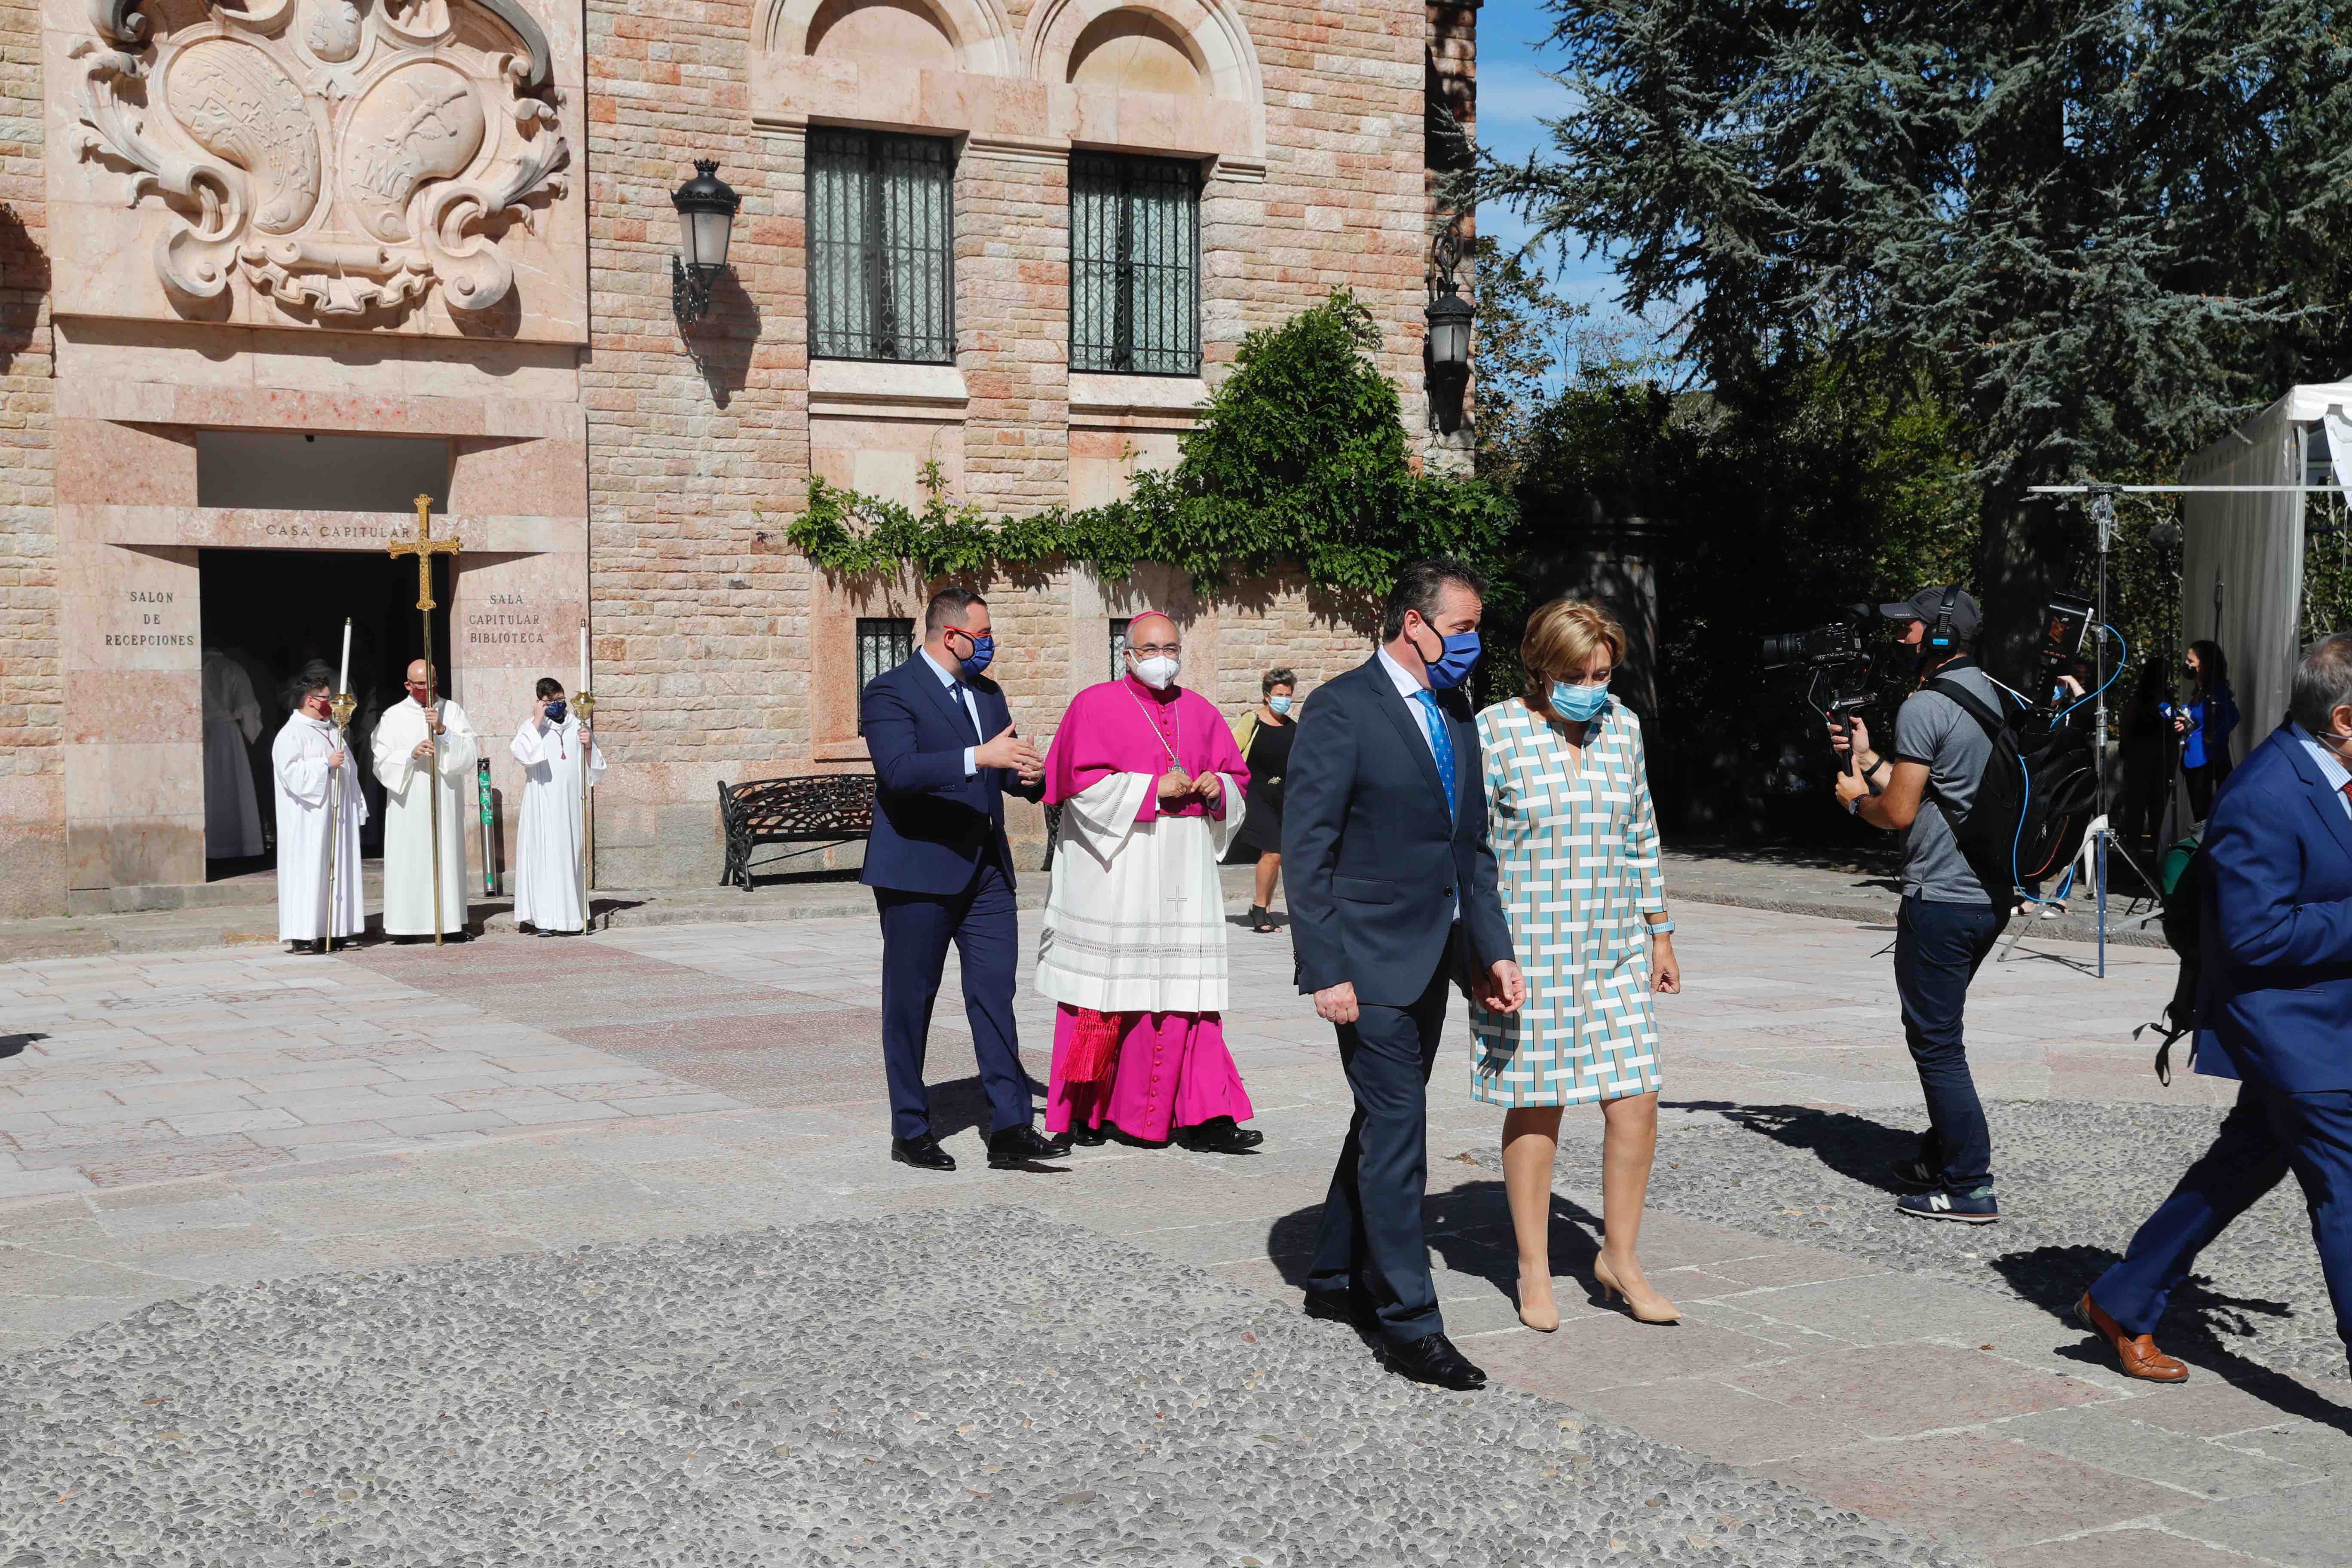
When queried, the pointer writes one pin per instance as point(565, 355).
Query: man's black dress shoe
point(1433, 1359)
point(1018, 1146)
point(1087, 1137)
point(1219, 1135)
point(924, 1153)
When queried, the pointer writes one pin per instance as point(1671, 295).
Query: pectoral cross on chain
point(424, 547)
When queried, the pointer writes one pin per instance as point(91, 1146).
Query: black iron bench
point(814, 808)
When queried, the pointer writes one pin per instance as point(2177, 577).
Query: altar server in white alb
point(232, 721)
point(305, 760)
point(401, 754)
point(552, 745)
point(1133, 947)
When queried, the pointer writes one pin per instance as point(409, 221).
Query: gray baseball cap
point(1926, 605)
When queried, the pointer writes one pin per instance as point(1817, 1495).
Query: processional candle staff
point(586, 703)
point(424, 547)
point(340, 707)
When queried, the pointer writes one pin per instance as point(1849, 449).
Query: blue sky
point(1515, 97)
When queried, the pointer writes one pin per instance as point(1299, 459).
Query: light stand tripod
point(2099, 838)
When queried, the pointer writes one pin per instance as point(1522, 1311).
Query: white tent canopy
point(2241, 555)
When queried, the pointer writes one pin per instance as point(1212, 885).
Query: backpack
point(2178, 877)
point(2033, 804)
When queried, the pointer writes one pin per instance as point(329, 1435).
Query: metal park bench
point(814, 808)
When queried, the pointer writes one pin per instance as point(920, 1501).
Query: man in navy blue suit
point(944, 753)
point(1393, 895)
point(2273, 1010)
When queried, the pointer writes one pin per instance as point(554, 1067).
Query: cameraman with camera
point(1949, 920)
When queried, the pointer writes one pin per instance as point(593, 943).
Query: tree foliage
point(1298, 461)
point(2093, 229)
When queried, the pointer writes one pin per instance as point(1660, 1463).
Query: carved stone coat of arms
point(345, 158)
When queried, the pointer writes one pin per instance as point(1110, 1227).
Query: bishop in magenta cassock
point(1151, 785)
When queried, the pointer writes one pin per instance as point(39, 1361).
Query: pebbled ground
point(2074, 1181)
point(982, 1387)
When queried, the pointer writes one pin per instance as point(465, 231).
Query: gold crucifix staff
point(424, 547)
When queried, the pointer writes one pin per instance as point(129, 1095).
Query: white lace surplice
point(1135, 922)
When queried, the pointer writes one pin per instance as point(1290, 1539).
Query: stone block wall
point(32, 708)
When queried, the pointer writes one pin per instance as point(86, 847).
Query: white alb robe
point(1135, 921)
point(408, 820)
point(549, 840)
point(232, 722)
point(298, 761)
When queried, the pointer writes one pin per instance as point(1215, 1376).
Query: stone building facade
point(266, 271)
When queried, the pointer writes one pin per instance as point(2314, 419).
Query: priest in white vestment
point(307, 757)
point(1133, 947)
point(401, 764)
point(232, 722)
point(552, 745)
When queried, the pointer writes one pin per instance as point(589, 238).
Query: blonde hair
point(1562, 636)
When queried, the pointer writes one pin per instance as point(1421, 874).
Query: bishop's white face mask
point(1157, 672)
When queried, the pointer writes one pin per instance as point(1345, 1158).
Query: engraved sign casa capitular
point(343, 159)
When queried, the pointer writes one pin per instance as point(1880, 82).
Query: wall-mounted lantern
point(1450, 316)
point(706, 221)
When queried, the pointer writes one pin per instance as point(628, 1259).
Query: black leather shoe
point(1087, 1137)
point(1433, 1359)
point(924, 1153)
point(1018, 1146)
point(1349, 1307)
point(1219, 1135)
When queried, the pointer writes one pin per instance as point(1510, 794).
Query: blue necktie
point(955, 690)
point(1440, 741)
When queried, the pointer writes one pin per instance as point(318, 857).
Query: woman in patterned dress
point(1576, 844)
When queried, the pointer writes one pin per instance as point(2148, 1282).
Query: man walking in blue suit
point(944, 753)
point(2273, 1010)
point(1393, 896)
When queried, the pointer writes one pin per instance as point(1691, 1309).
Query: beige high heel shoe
point(1656, 1311)
point(1541, 1322)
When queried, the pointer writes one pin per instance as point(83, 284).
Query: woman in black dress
point(1264, 739)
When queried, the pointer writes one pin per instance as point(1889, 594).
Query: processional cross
point(424, 547)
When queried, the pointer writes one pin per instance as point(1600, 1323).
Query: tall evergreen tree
point(2095, 230)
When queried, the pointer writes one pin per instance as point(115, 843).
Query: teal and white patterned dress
point(1577, 849)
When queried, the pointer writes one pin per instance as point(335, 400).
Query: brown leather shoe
point(2135, 1354)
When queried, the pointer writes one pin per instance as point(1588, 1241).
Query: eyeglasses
point(1153, 650)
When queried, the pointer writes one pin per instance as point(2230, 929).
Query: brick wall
point(32, 770)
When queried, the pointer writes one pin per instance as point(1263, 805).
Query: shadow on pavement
point(1853, 1146)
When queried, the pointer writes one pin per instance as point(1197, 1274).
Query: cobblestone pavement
point(682, 1080)
point(707, 1402)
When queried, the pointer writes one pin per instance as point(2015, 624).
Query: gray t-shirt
point(1931, 728)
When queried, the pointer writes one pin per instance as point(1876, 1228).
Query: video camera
point(1838, 666)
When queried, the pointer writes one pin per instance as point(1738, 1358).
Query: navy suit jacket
point(2275, 993)
point(931, 825)
point(1372, 861)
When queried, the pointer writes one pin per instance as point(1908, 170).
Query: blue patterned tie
point(1441, 742)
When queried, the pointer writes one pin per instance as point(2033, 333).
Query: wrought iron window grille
point(881, 248)
point(1135, 265)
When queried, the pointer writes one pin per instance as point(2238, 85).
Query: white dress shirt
point(2331, 768)
point(1410, 686)
point(952, 682)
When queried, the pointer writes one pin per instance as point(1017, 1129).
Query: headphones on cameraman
point(1941, 634)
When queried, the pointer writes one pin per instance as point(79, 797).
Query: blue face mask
point(1578, 704)
point(556, 711)
point(1279, 704)
point(983, 649)
point(1451, 666)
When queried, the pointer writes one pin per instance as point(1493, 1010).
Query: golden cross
point(424, 547)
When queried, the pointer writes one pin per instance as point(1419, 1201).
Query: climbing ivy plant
point(1297, 462)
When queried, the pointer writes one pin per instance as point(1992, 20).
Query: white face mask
point(1157, 672)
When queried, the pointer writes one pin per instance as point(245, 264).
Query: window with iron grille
point(1118, 647)
point(1135, 265)
point(884, 642)
point(881, 243)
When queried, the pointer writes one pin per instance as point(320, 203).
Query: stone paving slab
point(791, 1138)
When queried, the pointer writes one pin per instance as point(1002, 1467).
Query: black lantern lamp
point(706, 221)
point(1449, 326)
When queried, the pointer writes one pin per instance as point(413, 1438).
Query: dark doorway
point(273, 611)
